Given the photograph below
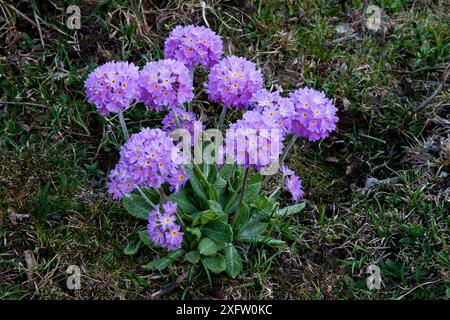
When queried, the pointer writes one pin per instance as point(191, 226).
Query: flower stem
point(177, 120)
point(241, 197)
point(288, 147)
point(123, 125)
point(191, 76)
point(222, 117)
point(144, 196)
point(283, 156)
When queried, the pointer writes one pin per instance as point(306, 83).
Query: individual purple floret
point(256, 141)
point(193, 45)
point(294, 185)
point(146, 160)
point(162, 227)
point(165, 83)
point(113, 87)
point(315, 114)
point(233, 81)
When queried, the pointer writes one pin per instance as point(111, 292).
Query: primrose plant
point(203, 200)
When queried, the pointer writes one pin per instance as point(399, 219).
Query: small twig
point(38, 26)
point(25, 103)
point(19, 13)
point(31, 265)
point(417, 287)
point(373, 138)
point(204, 13)
point(438, 89)
point(164, 291)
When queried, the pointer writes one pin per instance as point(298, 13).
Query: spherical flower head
point(187, 121)
point(233, 81)
point(294, 185)
point(146, 160)
point(315, 114)
point(253, 141)
point(162, 227)
point(113, 87)
point(275, 108)
point(165, 83)
point(193, 45)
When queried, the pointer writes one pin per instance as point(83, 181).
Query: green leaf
point(264, 209)
point(197, 186)
point(163, 263)
point(145, 239)
point(159, 264)
point(243, 215)
point(175, 254)
point(215, 264)
point(183, 202)
point(212, 173)
point(137, 206)
point(227, 171)
point(296, 208)
point(207, 247)
point(132, 247)
point(195, 231)
point(207, 216)
point(216, 207)
point(233, 261)
point(203, 217)
point(192, 256)
point(252, 193)
point(274, 242)
point(218, 231)
point(251, 232)
point(220, 186)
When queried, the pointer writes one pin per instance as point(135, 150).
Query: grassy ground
point(377, 190)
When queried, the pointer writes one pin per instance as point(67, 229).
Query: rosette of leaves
point(221, 221)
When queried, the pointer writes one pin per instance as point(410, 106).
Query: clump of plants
point(200, 190)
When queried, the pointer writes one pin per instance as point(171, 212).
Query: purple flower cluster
point(315, 114)
point(273, 106)
point(193, 45)
point(165, 83)
point(187, 121)
point(162, 228)
point(233, 81)
point(112, 87)
point(292, 183)
point(254, 141)
point(147, 159)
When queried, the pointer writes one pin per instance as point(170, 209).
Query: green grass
point(55, 150)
